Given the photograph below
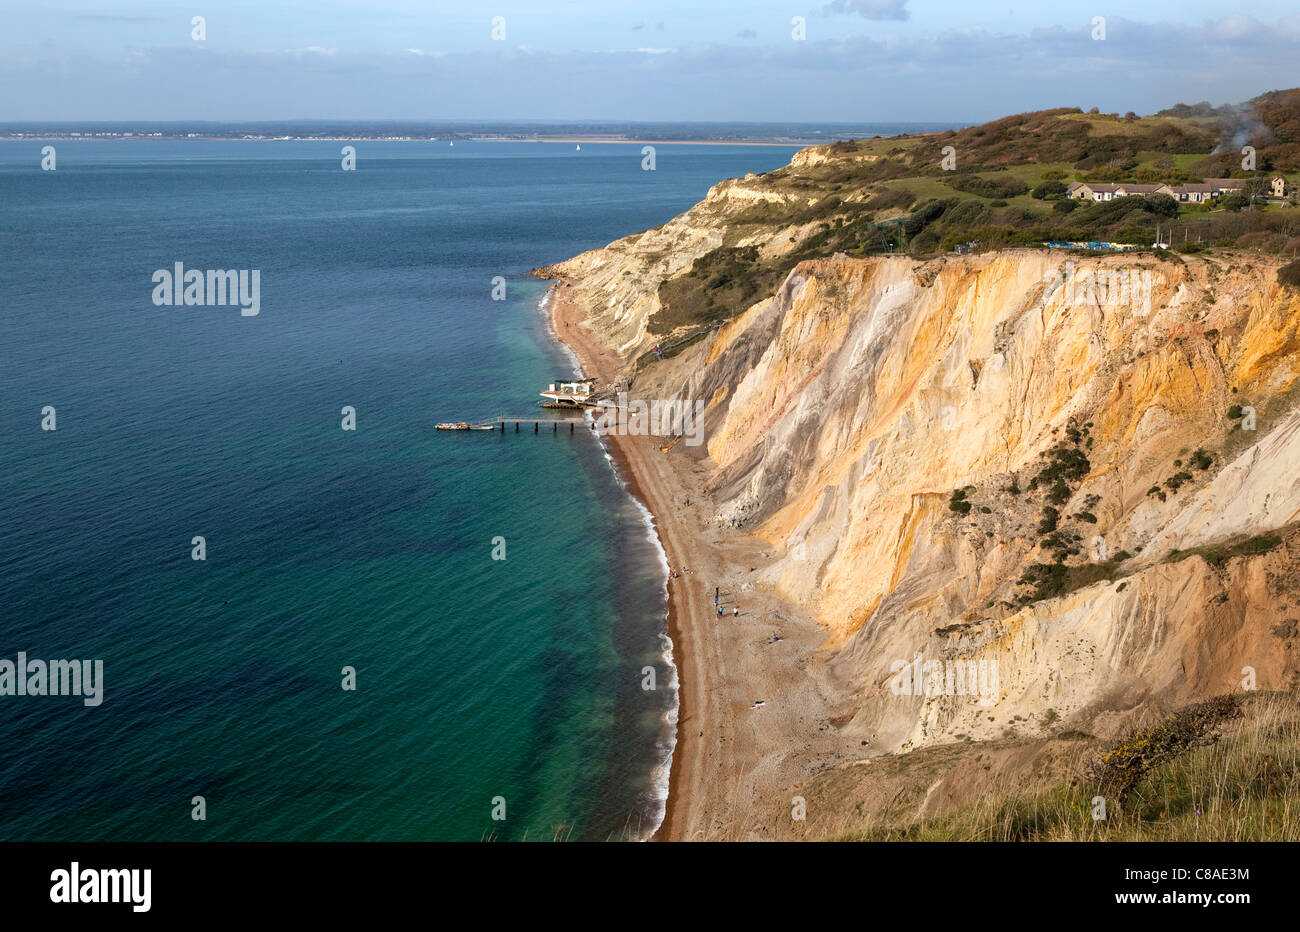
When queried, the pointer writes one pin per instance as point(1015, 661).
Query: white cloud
point(957, 75)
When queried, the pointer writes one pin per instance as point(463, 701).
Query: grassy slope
point(1216, 776)
point(841, 204)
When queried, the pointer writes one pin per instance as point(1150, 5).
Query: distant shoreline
point(589, 140)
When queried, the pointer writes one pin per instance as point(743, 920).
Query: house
point(1106, 192)
point(1209, 189)
point(1221, 186)
point(1092, 192)
point(1192, 193)
point(570, 393)
point(1145, 190)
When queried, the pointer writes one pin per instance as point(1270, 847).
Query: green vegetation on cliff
point(998, 185)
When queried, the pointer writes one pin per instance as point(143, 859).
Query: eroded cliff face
point(1002, 457)
point(620, 282)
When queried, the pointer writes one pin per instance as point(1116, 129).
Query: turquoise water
point(476, 678)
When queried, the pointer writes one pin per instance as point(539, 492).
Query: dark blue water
point(476, 678)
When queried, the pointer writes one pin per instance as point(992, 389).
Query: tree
point(1162, 204)
point(1048, 190)
point(1257, 187)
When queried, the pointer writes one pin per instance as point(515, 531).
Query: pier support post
point(571, 427)
point(534, 427)
point(555, 427)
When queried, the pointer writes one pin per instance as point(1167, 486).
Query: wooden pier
point(537, 423)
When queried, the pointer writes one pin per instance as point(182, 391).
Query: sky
point(959, 61)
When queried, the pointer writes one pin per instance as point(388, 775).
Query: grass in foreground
point(1224, 770)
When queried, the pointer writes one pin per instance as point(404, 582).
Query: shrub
point(1048, 190)
point(1048, 580)
point(1161, 204)
point(958, 502)
point(890, 198)
point(1122, 766)
point(1009, 186)
point(924, 242)
point(1289, 275)
point(1175, 482)
point(1262, 242)
point(1064, 462)
point(1049, 520)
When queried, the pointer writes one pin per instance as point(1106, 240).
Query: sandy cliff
point(1121, 538)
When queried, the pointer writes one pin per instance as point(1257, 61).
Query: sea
point(393, 632)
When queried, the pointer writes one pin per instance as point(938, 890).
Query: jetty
point(572, 395)
point(537, 423)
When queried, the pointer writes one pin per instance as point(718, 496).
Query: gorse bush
point(1119, 769)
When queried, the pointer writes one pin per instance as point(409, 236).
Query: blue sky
point(861, 61)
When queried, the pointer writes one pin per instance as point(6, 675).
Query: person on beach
point(735, 612)
point(719, 611)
